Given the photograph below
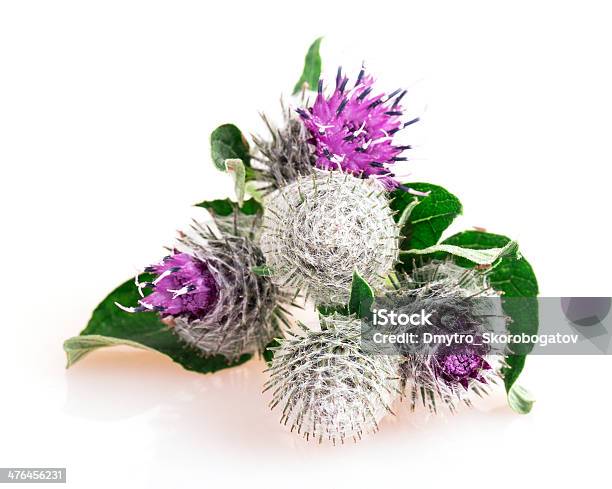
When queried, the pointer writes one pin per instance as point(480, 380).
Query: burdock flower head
point(352, 129)
point(322, 227)
point(328, 388)
point(286, 156)
point(462, 305)
point(210, 297)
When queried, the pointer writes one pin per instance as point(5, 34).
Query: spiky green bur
point(448, 375)
point(327, 388)
point(322, 227)
point(247, 312)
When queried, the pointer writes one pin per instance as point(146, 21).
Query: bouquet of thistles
point(321, 220)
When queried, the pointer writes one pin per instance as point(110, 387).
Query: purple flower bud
point(352, 130)
point(184, 286)
point(462, 366)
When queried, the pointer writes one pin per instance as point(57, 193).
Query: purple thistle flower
point(352, 130)
point(184, 286)
point(462, 366)
point(209, 295)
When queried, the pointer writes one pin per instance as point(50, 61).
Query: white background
point(105, 112)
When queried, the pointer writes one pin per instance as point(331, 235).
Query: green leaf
point(79, 346)
point(111, 326)
point(520, 399)
point(512, 369)
point(232, 219)
point(225, 207)
point(236, 167)
point(361, 298)
point(227, 142)
point(252, 189)
point(312, 68)
point(404, 215)
point(479, 256)
point(218, 207)
point(328, 310)
point(515, 278)
point(427, 218)
point(251, 207)
point(268, 353)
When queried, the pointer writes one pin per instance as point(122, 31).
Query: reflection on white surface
point(228, 406)
point(150, 423)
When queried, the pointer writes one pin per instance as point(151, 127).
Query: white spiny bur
point(326, 387)
point(322, 227)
